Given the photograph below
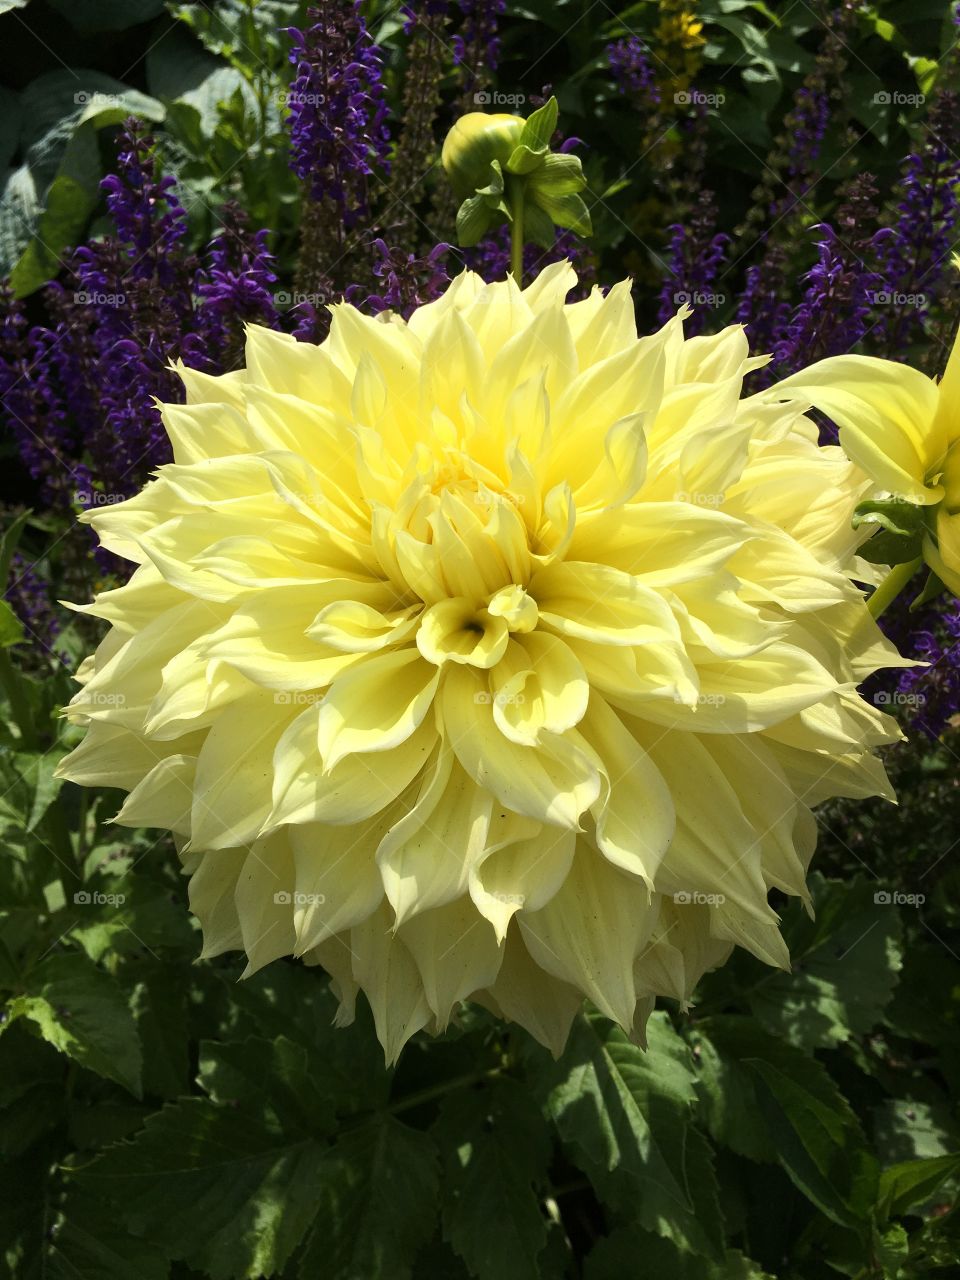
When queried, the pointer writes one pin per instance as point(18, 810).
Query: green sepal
point(537, 226)
point(893, 514)
point(540, 127)
point(474, 218)
point(932, 588)
point(559, 175)
point(524, 161)
point(891, 548)
point(495, 187)
point(565, 211)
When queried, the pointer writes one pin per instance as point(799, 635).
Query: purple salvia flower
point(234, 287)
point(338, 112)
point(405, 281)
point(476, 46)
point(632, 70)
point(916, 263)
point(696, 253)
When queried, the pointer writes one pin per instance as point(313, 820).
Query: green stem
point(516, 233)
point(19, 706)
point(437, 1091)
point(888, 590)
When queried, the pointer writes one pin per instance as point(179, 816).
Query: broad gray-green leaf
point(376, 1204)
point(11, 628)
point(9, 125)
point(180, 69)
point(495, 1149)
point(19, 211)
point(845, 966)
point(82, 1011)
point(107, 15)
point(212, 1185)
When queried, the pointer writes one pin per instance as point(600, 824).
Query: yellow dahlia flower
point(495, 655)
point(903, 429)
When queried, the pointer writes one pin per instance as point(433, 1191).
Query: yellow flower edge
point(497, 655)
point(903, 429)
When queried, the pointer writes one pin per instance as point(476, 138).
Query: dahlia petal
point(163, 798)
point(375, 705)
point(263, 895)
point(389, 977)
point(212, 893)
point(336, 883)
point(426, 856)
point(521, 874)
point(591, 931)
point(539, 685)
point(595, 602)
point(456, 952)
point(553, 782)
point(524, 993)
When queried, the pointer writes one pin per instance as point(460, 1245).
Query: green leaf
point(626, 1111)
point(212, 1185)
point(818, 1142)
point(11, 628)
point(495, 1149)
point(82, 1011)
point(181, 70)
point(276, 1071)
point(806, 1122)
point(616, 1257)
point(846, 963)
point(89, 1244)
point(19, 210)
point(376, 1204)
point(900, 530)
point(728, 1098)
point(559, 175)
point(912, 1181)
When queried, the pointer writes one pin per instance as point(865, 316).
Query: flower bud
point(473, 142)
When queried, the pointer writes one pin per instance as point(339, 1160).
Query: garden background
point(792, 166)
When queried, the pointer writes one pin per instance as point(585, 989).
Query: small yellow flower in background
point(496, 655)
point(903, 429)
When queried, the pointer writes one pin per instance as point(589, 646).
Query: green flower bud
point(473, 143)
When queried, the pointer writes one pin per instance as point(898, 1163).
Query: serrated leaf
point(616, 1258)
point(82, 1011)
point(495, 1149)
point(376, 1204)
point(845, 966)
point(89, 1244)
point(277, 1072)
point(618, 1108)
point(212, 1185)
point(818, 1143)
point(912, 1181)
